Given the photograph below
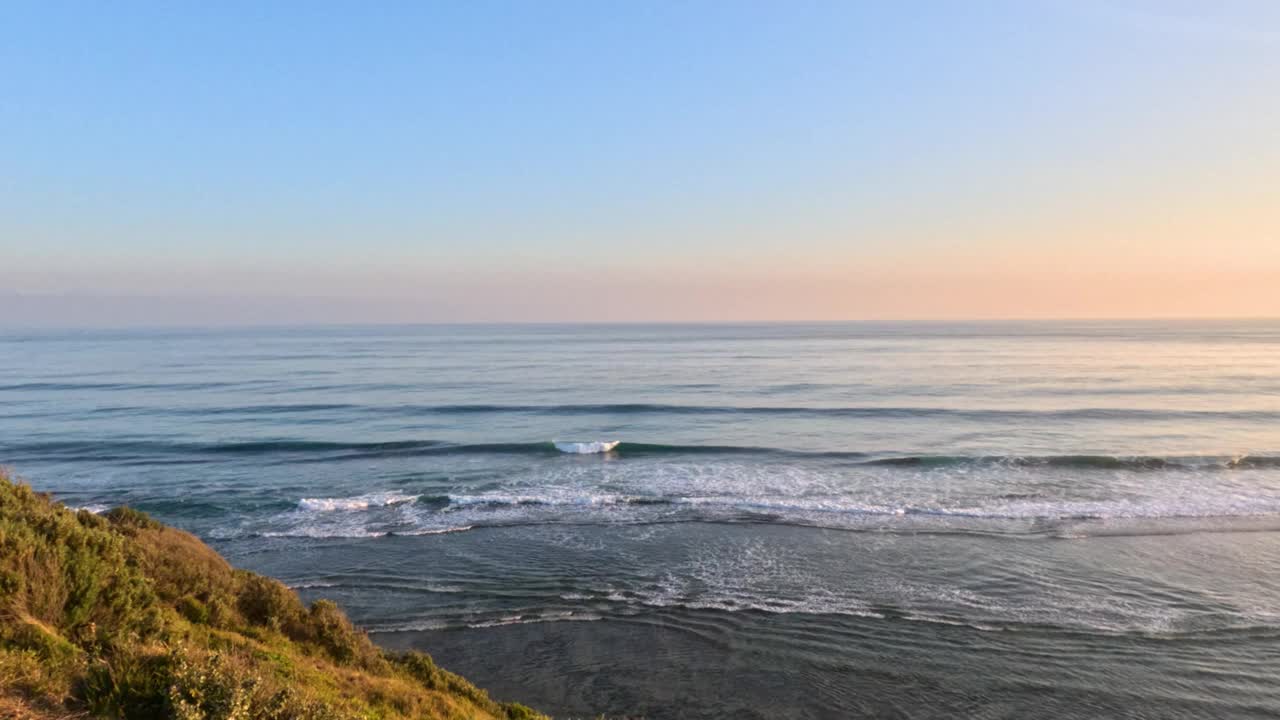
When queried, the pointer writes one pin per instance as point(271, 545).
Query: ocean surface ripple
point(1063, 519)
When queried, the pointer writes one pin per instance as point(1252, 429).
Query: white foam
point(360, 502)
point(1058, 501)
point(518, 619)
point(320, 533)
point(507, 620)
point(641, 489)
point(330, 532)
point(415, 626)
point(728, 599)
point(784, 504)
point(587, 448)
point(436, 531)
point(587, 499)
point(543, 617)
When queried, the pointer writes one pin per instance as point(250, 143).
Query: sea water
point(912, 520)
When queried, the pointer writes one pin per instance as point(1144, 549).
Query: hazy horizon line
point(5, 327)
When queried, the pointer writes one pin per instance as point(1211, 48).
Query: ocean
point(909, 520)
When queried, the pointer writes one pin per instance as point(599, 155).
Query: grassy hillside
point(120, 616)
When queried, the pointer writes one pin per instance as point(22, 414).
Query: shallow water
point(907, 520)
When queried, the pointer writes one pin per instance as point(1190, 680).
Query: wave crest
point(307, 451)
point(360, 502)
point(587, 448)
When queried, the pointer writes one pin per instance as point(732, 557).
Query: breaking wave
point(153, 452)
point(587, 448)
point(1191, 508)
point(361, 502)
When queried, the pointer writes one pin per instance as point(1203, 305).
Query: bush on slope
point(121, 616)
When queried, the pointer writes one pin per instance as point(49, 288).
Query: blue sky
point(517, 161)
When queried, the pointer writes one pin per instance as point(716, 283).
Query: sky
point(247, 162)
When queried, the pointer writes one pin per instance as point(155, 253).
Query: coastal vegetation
point(119, 616)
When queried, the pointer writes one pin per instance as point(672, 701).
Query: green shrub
point(63, 571)
point(128, 685)
point(329, 628)
point(209, 690)
point(31, 676)
point(128, 518)
point(420, 667)
point(10, 583)
point(267, 602)
point(516, 711)
point(47, 645)
point(91, 521)
point(220, 613)
point(194, 610)
point(288, 704)
point(119, 616)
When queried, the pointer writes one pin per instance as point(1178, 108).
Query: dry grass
point(121, 616)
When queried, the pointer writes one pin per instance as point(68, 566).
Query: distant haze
point(244, 164)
